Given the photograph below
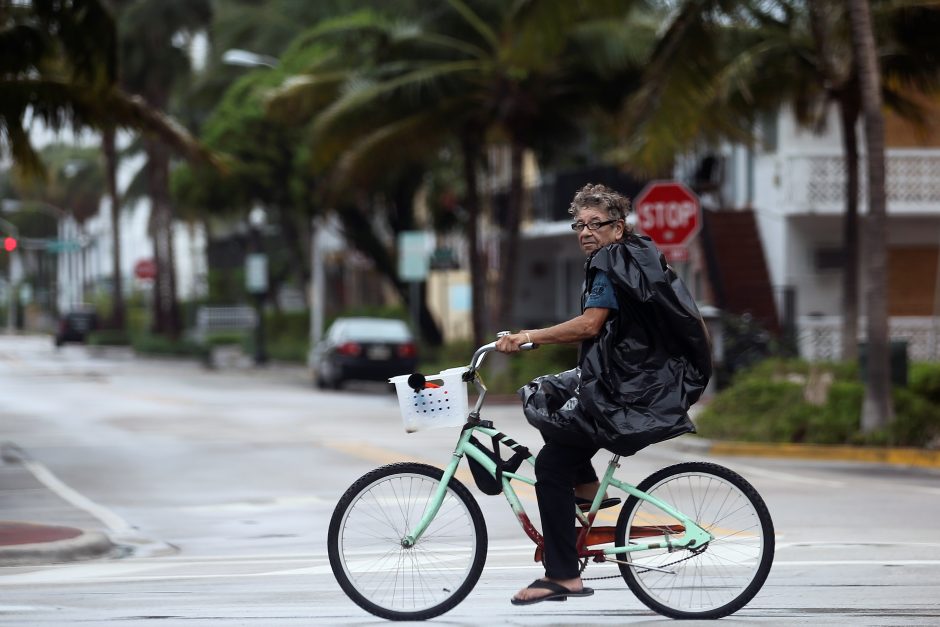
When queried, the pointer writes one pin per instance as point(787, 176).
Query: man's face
point(607, 234)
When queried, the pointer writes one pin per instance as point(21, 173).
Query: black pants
point(558, 468)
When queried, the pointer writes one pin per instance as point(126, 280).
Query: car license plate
point(379, 352)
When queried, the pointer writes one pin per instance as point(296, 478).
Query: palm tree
point(480, 72)
point(877, 408)
point(58, 67)
point(715, 70)
point(62, 70)
point(152, 64)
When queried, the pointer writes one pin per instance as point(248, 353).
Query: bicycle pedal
point(585, 504)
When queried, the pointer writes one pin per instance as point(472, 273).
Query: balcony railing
point(819, 337)
point(817, 182)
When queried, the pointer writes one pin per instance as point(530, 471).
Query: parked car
point(365, 349)
point(75, 326)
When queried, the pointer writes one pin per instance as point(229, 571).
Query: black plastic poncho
point(637, 379)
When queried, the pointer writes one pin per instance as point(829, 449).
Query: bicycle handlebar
point(481, 352)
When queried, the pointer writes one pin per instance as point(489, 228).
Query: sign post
point(671, 215)
point(413, 265)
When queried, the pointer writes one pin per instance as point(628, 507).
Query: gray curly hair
point(596, 195)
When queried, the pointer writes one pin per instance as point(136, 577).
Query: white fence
point(819, 337)
point(817, 182)
point(221, 319)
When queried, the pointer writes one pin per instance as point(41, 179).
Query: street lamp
point(246, 58)
point(256, 279)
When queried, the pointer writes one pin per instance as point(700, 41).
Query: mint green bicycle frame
point(694, 536)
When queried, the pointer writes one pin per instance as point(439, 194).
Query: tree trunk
point(357, 231)
point(848, 110)
point(877, 409)
point(292, 237)
point(510, 253)
point(118, 309)
point(471, 153)
point(166, 320)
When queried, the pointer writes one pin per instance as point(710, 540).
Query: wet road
point(222, 484)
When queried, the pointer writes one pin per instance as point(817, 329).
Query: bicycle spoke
point(716, 578)
point(393, 579)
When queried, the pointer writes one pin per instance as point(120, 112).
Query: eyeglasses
point(592, 226)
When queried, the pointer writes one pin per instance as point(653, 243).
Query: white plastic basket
point(431, 408)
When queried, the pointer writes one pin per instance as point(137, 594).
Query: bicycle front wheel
point(392, 581)
point(703, 582)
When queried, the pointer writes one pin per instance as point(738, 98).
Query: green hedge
point(767, 403)
point(109, 337)
point(924, 380)
point(146, 344)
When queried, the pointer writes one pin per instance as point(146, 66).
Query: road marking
point(45, 476)
point(744, 469)
point(258, 505)
point(848, 544)
point(136, 572)
point(121, 532)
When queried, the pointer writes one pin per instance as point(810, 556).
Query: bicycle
point(408, 541)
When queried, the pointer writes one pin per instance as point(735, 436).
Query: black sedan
point(75, 326)
point(364, 349)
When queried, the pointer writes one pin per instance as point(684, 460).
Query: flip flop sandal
point(585, 504)
point(557, 592)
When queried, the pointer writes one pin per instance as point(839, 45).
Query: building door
point(912, 281)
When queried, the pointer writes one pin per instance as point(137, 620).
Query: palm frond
point(476, 22)
point(357, 99)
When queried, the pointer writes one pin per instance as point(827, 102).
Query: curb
point(921, 458)
point(86, 545)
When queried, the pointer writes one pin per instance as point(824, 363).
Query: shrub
point(757, 410)
point(837, 421)
point(286, 348)
point(767, 402)
point(158, 345)
point(924, 380)
point(225, 338)
point(916, 421)
point(109, 337)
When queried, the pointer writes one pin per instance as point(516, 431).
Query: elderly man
point(644, 360)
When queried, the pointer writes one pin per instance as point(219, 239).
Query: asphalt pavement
point(42, 523)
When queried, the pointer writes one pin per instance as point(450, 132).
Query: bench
point(216, 319)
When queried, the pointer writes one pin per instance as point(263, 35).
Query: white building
point(791, 191)
point(799, 202)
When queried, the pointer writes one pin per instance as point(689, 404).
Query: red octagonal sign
point(145, 269)
point(669, 213)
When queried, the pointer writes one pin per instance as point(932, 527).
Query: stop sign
point(668, 212)
point(145, 269)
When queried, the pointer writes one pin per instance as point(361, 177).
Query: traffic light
point(9, 244)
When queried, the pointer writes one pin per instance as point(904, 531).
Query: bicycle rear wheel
point(387, 579)
point(705, 582)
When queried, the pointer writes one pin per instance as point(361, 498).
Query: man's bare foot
point(530, 593)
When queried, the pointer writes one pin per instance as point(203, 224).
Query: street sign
point(62, 245)
point(669, 213)
point(145, 269)
point(413, 255)
point(256, 273)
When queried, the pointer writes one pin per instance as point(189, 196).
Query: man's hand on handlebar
point(512, 343)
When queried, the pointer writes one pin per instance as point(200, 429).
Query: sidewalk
point(920, 458)
point(37, 526)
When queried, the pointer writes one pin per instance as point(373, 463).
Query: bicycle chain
point(584, 564)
